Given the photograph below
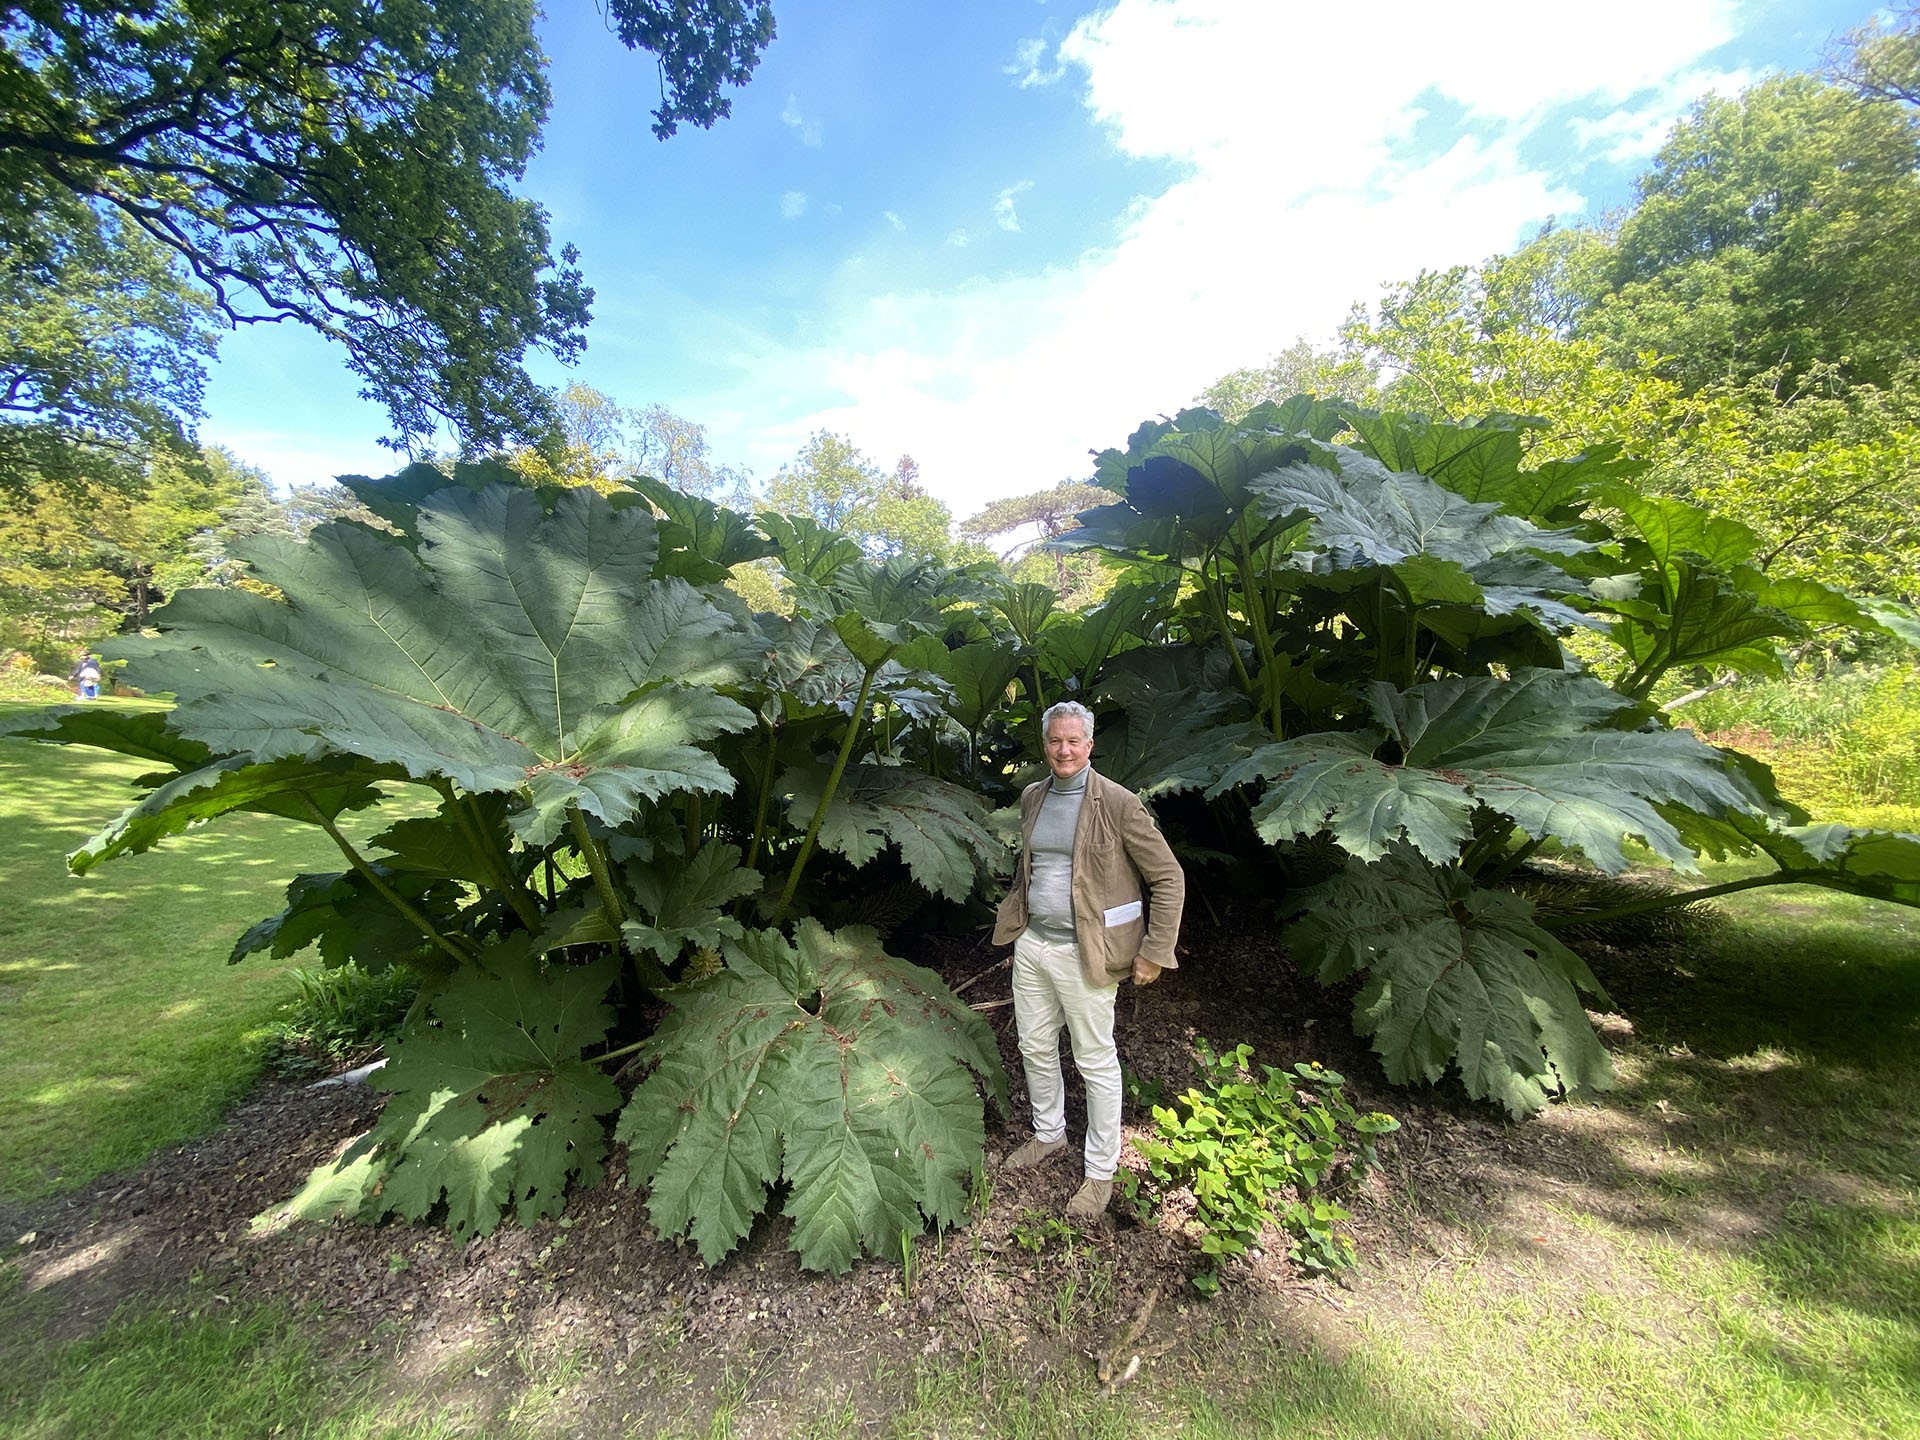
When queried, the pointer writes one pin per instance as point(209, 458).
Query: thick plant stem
point(766, 792)
point(1686, 897)
point(826, 798)
point(1514, 861)
point(616, 1054)
point(1639, 684)
point(597, 864)
point(1039, 706)
point(1211, 586)
point(461, 952)
point(517, 895)
point(1254, 596)
point(1405, 653)
point(1484, 846)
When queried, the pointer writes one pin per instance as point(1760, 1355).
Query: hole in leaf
point(810, 1002)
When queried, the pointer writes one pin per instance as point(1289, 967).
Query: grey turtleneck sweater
point(1050, 889)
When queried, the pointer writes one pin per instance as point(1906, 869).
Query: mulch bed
point(649, 1318)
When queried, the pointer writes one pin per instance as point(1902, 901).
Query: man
point(1096, 897)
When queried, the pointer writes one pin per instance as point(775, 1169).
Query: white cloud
point(895, 221)
point(1003, 212)
point(959, 238)
point(806, 126)
point(1027, 68)
point(1298, 193)
point(1638, 131)
point(793, 204)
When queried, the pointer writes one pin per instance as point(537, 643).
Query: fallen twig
point(994, 968)
point(1124, 1339)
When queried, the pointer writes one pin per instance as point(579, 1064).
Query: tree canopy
point(834, 484)
point(1774, 229)
point(349, 168)
point(1884, 61)
point(101, 352)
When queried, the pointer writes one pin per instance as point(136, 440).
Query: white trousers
point(1049, 990)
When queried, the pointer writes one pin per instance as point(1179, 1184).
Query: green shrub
point(1254, 1152)
point(1878, 754)
point(1835, 741)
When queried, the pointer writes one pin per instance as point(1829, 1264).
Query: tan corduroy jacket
point(1128, 890)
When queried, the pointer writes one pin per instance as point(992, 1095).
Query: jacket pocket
point(1123, 944)
point(1011, 916)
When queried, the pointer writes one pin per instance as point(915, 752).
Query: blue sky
point(996, 235)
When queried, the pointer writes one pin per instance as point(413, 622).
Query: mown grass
point(125, 1030)
point(210, 1369)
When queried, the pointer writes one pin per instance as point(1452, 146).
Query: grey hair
point(1073, 710)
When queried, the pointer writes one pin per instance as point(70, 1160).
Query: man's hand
point(1145, 972)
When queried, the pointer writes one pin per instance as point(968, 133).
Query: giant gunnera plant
point(610, 781)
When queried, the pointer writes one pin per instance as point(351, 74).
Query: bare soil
point(651, 1337)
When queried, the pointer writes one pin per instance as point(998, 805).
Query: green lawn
point(124, 1027)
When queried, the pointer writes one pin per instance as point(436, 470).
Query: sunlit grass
point(125, 1029)
point(209, 1369)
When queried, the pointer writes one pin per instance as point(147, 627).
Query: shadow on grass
point(1768, 1113)
point(202, 1369)
point(119, 1009)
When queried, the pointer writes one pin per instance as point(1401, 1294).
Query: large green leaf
point(1896, 619)
point(1224, 461)
point(705, 540)
point(464, 840)
point(1444, 553)
point(1075, 649)
point(806, 667)
point(197, 787)
point(1699, 601)
point(807, 549)
point(520, 650)
point(398, 498)
point(1120, 529)
point(1028, 609)
point(942, 830)
point(824, 1060)
point(1483, 460)
point(1165, 741)
point(878, 607)
point(1111, 467)
point(1454, 975)
point(296, 789)
point(1536, 749)
point(978, 675)
point(1883, 864)
point(1298, 415)
point(349, 920)
point(141, 734)
point(1383, 517)
point(493, 1108)
point(683, 901)
point(1475, 459)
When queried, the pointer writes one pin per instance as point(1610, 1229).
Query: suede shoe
point(1089, 1202)
point(1033, 1153)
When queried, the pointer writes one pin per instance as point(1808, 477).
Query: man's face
point(1068, 748)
